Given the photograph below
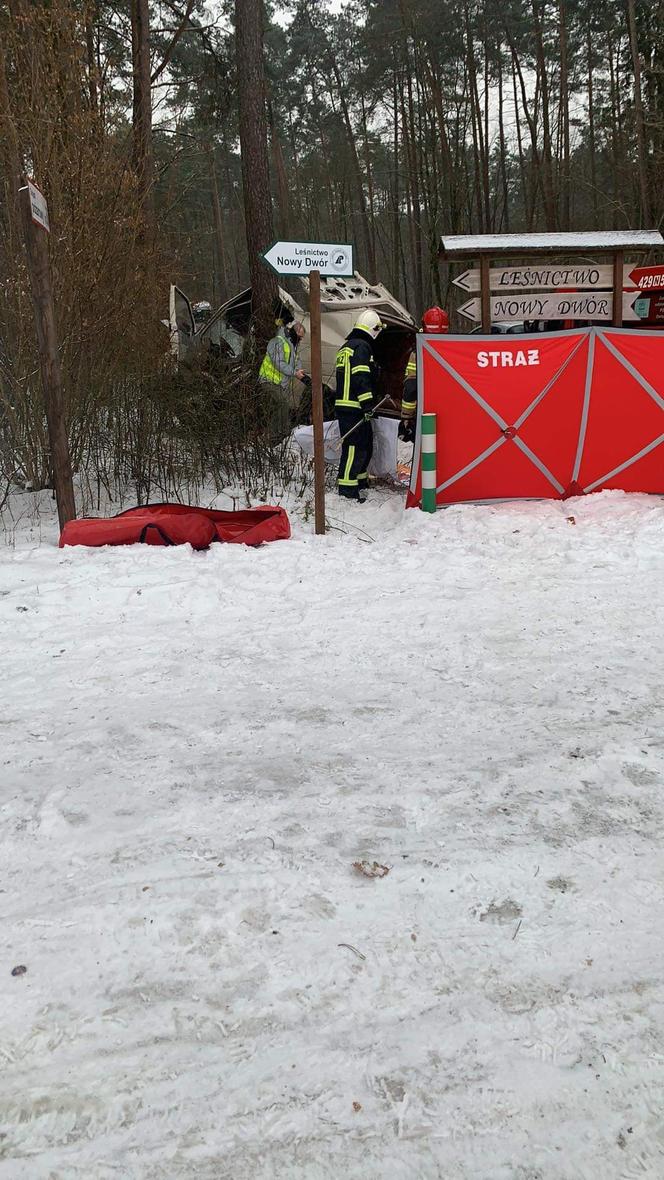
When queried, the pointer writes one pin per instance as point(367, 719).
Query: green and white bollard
point(428, 461)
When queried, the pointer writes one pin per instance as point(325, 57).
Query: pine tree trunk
point(142, 98)
point(505, 219)
point(10, 156)
point(546, 161)
point(359, 179)
point(396, 213)
point(591, 123)
point(279, 170)
point(616, 134)
point(220, 269)
point(92, 65)
point(566, 207)
point(638, 114)
point(370, 186)
point(255, 167)
point(476, 115)
point(415, 192)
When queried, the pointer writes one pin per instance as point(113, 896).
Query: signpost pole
point(36, 245)
point(317, 403)
point(618, 258)
point(311, 260)
point(485, 292)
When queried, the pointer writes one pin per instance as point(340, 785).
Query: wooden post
point(317, 403)
point(485, 292)
point(618, 259)
point(36, 244)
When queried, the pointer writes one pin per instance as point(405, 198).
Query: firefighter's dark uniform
point(354, 401)
point(409, 400)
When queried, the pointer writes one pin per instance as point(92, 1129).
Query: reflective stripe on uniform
point(360, 369)
point(343, 362)
point(408, 401)
point(346, 480)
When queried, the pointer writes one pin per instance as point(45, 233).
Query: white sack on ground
point(385, 431)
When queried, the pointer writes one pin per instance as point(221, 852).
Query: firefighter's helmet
point(369, 321)
point(435, 320)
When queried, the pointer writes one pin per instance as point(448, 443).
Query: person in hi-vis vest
point(280, 365)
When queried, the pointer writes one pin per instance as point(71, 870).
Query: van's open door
point(181, 319)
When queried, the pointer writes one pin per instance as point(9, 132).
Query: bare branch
point(174, 40)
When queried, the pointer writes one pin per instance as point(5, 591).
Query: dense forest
point(386, 123)
point(395, 120)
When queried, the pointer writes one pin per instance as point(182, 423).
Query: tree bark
point(221, 268)
point(92, 65)
point(352, 147)
point(10, 155)
point(591, 122)
point(36, 245)
point(546, 160)
point(532, 127)
point(412, 140)
point(142, 98)
point(476, 114)
point(638, 114)
point(505, 219)
point(617, 151)
point(566, 201)
point(370, 185)
point(279, 169)
point(396, 213)
point(255, 166)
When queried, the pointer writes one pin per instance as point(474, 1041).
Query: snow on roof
point(471, 245)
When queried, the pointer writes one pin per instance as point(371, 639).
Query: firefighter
point(409, 400)
point(434, 321)
point(356, 385)
point(276, 374)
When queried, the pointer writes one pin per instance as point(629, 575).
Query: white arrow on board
point(584, 305)
point(468, 281)
point(547, 278)
point(300, 258)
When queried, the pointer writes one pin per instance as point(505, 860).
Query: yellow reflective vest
point(279, 362)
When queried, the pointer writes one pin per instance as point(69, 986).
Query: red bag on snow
point(249, 526)
point(142, 528)
point(179, 524)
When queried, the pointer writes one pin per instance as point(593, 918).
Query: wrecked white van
point(197, 331)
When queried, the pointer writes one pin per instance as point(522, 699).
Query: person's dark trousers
point(356, 452)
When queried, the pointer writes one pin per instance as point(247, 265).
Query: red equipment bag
point(179, 524)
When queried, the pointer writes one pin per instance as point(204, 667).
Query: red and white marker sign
point(38, 207)
point(648, 278)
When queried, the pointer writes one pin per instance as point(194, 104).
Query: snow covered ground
point(195, 750)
